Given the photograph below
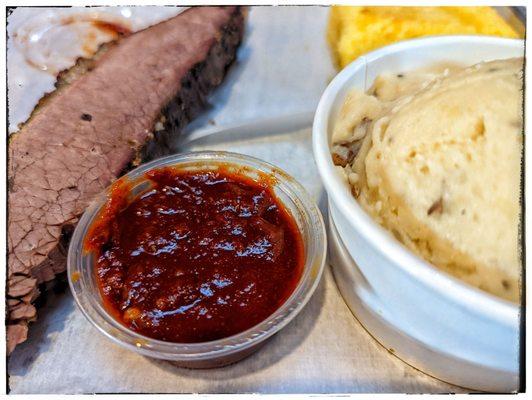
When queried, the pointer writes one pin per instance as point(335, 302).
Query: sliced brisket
point(95, 128)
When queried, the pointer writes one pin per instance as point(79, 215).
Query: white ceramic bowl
point(431, 320)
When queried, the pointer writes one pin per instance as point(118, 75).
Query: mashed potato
point(435, 157)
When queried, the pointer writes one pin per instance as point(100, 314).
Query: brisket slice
point(137, 94)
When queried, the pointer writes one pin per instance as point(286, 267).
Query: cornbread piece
point(439, 167)
point(353, 31)
point(98, 126)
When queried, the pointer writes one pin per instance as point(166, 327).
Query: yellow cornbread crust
point(353, 31)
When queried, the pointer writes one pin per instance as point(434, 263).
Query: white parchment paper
point(283, 68)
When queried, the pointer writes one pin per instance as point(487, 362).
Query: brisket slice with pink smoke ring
point(137, 94)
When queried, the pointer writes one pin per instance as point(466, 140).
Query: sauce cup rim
point(315, 252)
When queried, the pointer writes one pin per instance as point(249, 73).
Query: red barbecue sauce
point(201, 255)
